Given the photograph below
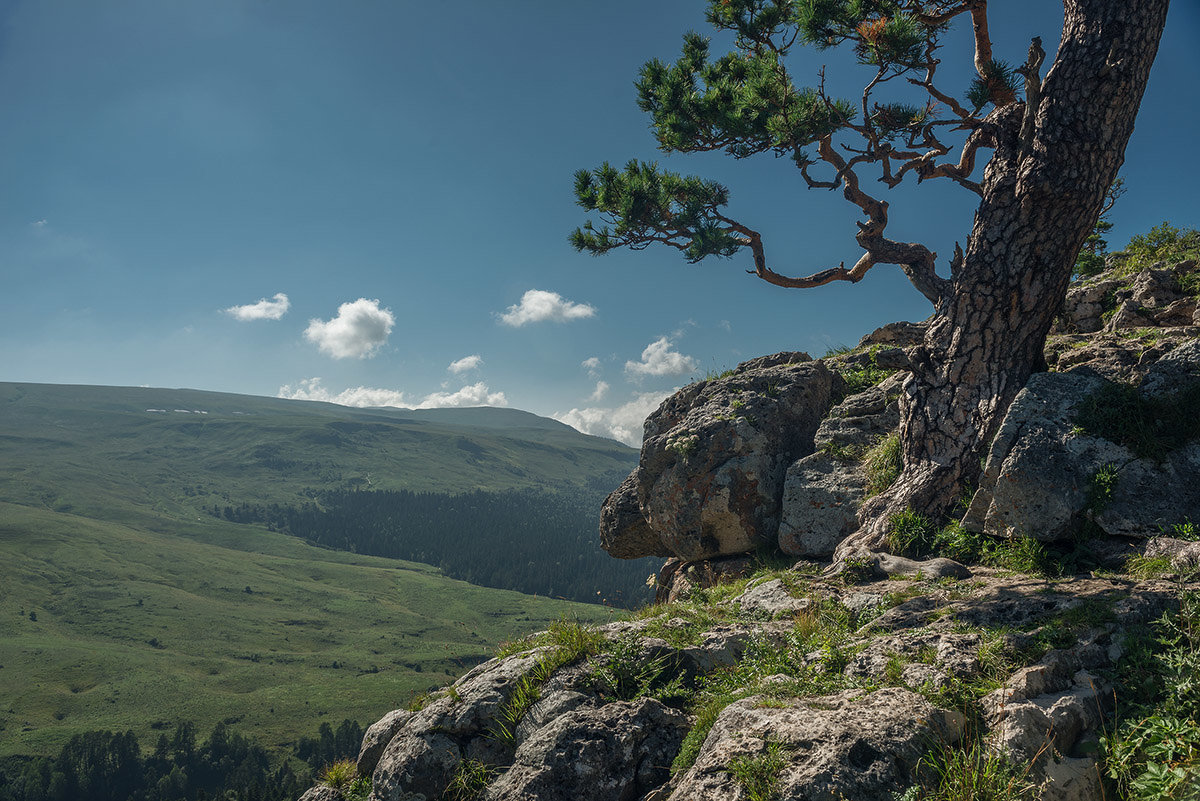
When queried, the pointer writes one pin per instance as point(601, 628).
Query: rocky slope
point(766, 676)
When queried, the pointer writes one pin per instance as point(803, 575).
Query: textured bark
point(1041, 195)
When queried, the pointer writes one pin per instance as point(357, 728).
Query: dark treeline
point(106, 766)
point(536, 542)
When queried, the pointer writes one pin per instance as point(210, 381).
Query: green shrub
point(340, 775)
point(1164, 242)
point(622, 673)
point(910, 533)
point(1154, 751)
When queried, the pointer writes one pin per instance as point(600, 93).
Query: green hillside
point(126, 604)
point(110, 626)
point(81, 448)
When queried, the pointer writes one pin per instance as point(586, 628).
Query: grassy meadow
point(124, 606)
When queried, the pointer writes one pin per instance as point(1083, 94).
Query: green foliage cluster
point(861, 374)
point(1150, 427)
point(998, 79)
point(1153, 753)
point(624, 673)
point(533, 541)
point(1164, 242)
point(1091, 258)
point(745, 103)
point(107, 766)
point(913, 534)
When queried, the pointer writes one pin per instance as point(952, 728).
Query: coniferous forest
point(108, 766)
point(532, 541)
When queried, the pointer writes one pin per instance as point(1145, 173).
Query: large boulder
point(822, 491)
point(1040, 479)
point(714, 458)
point(616, 752)
point(422, 755)
point(1040, 467)
point(624, 531)
point(851, 745)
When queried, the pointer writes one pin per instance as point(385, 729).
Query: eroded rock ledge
point(836, 690)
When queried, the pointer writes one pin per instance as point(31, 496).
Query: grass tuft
point(882, 464)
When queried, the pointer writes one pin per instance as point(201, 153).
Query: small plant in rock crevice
point(882, 464)
point(759, 774)
point(470, 779)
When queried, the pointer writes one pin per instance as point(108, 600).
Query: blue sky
point(368, 202)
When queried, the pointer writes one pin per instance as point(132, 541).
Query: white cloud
point(623, 423)
point(538, 306)
point(262, 310)
point(466, 363)
point(592, 365)
point(311, 389)
point(658, 359)
point(472, 395)
point(601, 391)
point(359, 329)
point(725, 325)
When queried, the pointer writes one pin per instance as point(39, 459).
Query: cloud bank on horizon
point(263, 309)
point(358, 330)
point(622, 423)
point(477, 394)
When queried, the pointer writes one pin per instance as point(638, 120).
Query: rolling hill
point(126, 603)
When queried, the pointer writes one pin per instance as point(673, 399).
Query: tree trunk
point(1041, 198)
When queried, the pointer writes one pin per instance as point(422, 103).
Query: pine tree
point(1054, 153)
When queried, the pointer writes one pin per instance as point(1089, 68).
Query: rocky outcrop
point(829, 692)
point(713, 461)
point(618, 752)
point(822, 491)
point(1044, 475)
point(1110, 301)
point(847, 745)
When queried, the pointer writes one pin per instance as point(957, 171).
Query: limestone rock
point(322, 793)
point(422, 757)
point(1083, 306)
point(822, 491)
point(715, 453)
point(677, 578)
point(377, 737)
point(1150, 498)
point(624, 531)
point(617, 752)
point(772, 599)
point(1176, 371)
point(850, 745)
point(1039, 468)
point(1184, 554)
point(901, 334)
